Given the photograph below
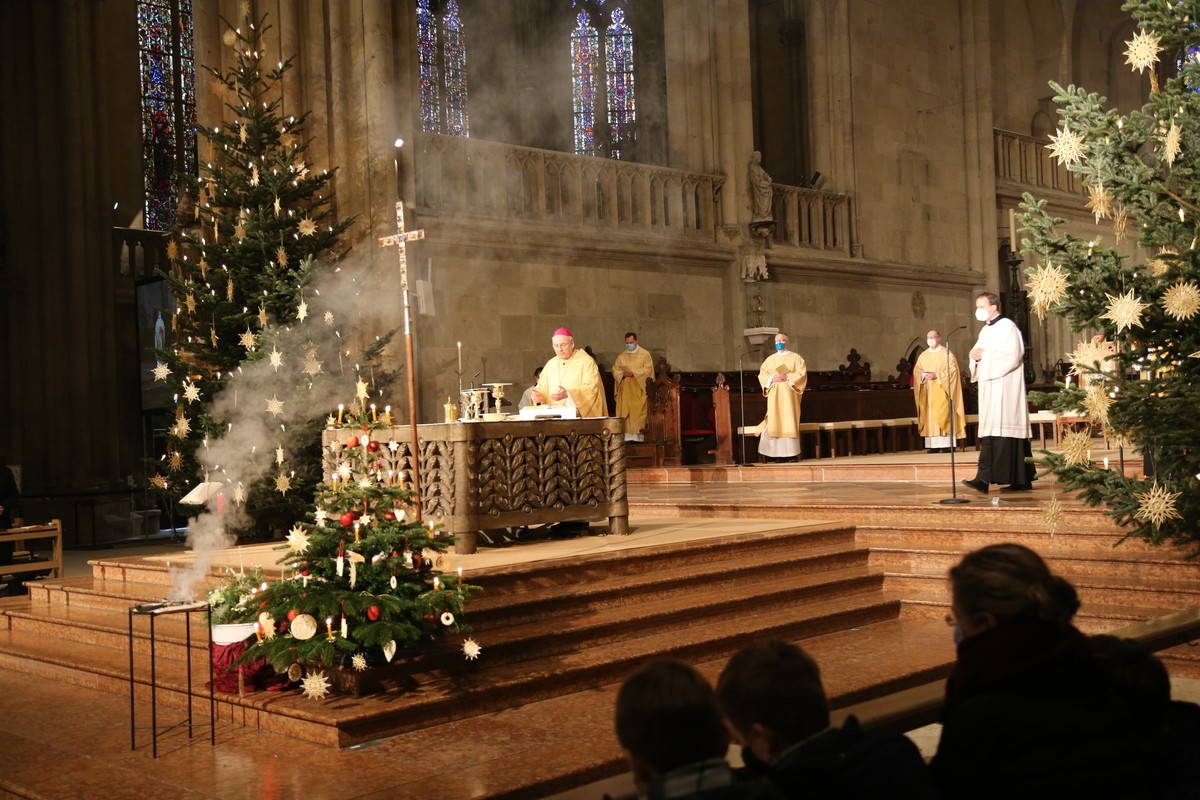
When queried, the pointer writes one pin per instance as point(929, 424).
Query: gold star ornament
point(161, 371)
point(275, 406)
point(307, 227)
point(282, 483)
point(1052, 513)
point(298, 539)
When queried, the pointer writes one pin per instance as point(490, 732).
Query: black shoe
point(978, 486)
point(1018, 487)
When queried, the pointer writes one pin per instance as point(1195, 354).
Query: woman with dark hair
point(1035, 708)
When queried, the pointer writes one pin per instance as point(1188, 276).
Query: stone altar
point(478, 476)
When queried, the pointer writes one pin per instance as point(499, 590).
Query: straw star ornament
point(1047, 285)
point(1125, 310)
point(1142, 51)
point(1157, 505)
point(1076, 447)
point(1067, 147)
point(1182, 300)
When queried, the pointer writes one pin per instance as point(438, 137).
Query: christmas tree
point(243, 274)
point(1139, 375)
point(361, 580)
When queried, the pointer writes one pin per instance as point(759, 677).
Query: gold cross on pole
point(401, 240)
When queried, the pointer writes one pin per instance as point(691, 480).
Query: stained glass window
point(618, 45)
point(442, 56)
point(604, 103)
point(585, 58)
point(429, 85)
point(166, 60)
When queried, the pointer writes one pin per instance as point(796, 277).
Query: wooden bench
point(52, 532)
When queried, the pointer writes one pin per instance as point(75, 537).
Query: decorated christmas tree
point(1136, 369)
point(243, 273)
point(362, 580)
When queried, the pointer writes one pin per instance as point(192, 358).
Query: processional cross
point(401, 240)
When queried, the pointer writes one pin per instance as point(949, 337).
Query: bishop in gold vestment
point(631, 370)
point(783, 377)
point(936, 383)
point(571, 378)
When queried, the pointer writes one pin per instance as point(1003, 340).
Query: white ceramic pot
point(232, 633)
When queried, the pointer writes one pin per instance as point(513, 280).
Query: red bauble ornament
point(373, 613)
point(292, 614)
point(352, 441)
point(430, 617)
point(372, 446)
point(390, 516)
point(347, 519)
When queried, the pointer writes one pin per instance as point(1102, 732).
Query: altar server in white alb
point(783, 377)
point(997, 367)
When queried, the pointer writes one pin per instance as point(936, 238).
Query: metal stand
point(953, 499)
point(154, 610)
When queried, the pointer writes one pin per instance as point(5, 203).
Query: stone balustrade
point(477, 178)
point(812, 218)
point(1026, 161)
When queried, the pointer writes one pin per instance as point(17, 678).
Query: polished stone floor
point(60, 741)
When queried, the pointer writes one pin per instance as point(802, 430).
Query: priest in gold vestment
point(631, 370)
point(571, 378)
point(783, 376)
point(936, 383)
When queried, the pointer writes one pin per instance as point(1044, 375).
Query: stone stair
point(548, 629)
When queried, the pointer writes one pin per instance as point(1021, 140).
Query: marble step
point(558, 624)
point(1166, 565)
point(931, 531)
point(1095, 588)
point(623, 583)
point(461, 689)
point(1026, 513)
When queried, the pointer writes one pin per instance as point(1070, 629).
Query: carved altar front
point(479, 476)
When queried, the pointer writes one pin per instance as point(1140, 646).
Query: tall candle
point(387, 415)
point(373, 417)
point(341, 410)
point(220, 502)
point(460, 356)
point(1012, 230)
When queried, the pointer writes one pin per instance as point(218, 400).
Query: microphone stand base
point(953, 501)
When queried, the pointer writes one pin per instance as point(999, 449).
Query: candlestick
point(1012, 230)
point(329, 627)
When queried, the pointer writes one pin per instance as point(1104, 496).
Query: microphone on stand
point(953, 499)
point(742, 398)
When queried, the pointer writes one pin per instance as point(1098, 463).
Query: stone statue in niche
point(761, 195)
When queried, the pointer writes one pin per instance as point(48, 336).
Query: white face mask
point(982, 314)
point(932, 342)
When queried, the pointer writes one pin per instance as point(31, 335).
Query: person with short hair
point(527, 395)
point(998, 369)
point(673, 737)
point(937, 389)
point(571, 378)
point(783, 377)
point(631, 370)
point(775, 706)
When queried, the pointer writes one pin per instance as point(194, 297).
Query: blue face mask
point(630, 347)
point(781, 346)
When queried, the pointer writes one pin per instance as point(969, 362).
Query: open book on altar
point(549, 412)
point(782, 370)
